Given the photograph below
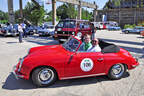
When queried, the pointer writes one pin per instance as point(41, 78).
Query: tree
point(3, 17)
point(69, 11)
point(33, 14)
point(66, 11)
point(86, 15)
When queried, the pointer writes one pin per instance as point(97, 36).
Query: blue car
point(137, 30)
point(114, 28)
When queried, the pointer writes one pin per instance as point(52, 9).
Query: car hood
point(46, 50)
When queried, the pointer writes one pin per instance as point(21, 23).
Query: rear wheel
point(117, 71)
point(44, 76)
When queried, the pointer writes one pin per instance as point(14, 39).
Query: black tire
point(117, 71)
point(48, 75)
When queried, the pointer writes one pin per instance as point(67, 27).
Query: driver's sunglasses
point(94, 41)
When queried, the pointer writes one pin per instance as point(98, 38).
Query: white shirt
point(94, 49)
point(20, 28)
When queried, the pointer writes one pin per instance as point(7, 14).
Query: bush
point(129, 26)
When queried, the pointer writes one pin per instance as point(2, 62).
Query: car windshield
point(67, 24)
point(71, 45)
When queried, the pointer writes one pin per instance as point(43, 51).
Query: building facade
point(122, 16)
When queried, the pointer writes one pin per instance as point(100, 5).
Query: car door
point(84, 64)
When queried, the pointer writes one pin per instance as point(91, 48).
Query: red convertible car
point(45, 64)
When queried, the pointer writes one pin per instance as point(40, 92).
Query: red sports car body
point(45, 64)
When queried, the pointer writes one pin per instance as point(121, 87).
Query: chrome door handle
point(100, 59)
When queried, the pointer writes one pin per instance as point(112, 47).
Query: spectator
point(20, 30)
point(93, 31)
point(24, 31)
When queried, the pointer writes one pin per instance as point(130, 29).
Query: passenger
point(86, 44)
point(95, 46)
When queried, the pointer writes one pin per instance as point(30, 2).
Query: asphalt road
point(131, 85)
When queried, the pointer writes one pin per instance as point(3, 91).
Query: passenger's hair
point(86, 35)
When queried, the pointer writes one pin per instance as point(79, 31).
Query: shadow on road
point(41, 40)
point(13, 84)
point(11, 42)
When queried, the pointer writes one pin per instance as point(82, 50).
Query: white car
point(46, 31)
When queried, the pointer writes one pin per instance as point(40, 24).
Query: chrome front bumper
point(17, 76)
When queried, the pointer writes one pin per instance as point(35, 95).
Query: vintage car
point(46, 31)
point(30, 30)
point(45, 64)
point(137, 30)
point(110, 28)
point(71, 27)
point(9, 31)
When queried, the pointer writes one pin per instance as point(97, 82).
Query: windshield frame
point(71, 50)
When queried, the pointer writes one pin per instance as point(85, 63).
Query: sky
point(48, 7)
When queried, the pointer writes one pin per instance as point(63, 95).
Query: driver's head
point(87, 38)
point(95, 42)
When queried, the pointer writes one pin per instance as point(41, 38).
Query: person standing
point(20, 30)
point(93, 30)
point(24, 31)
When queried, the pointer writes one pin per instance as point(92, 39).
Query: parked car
point(45, 64)
point(113, 28)
point(68, 27)
point(9, 31)
point(46, 31)
point(137, 30)
point(30, 30)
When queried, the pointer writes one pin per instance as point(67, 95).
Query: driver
point(95, 46)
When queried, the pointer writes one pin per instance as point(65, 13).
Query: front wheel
point(44, 76)
point(117, 71)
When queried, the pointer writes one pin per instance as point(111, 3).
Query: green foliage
point(66, 11)
point(3, 17)
point(129, 26)
point(34, 14)
point(86, 15)
point(69, 11)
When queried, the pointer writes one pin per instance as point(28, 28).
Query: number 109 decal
point(86, 64)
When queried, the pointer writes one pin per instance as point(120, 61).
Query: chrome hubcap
point(118, 70)
point(45, 76)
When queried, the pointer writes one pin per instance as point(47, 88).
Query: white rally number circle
point(86, 64)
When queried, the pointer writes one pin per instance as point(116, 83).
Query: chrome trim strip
point(16, 76)
point(83, 76)
point(21, 62)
